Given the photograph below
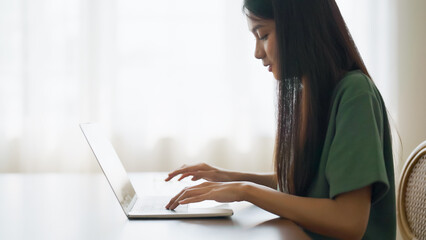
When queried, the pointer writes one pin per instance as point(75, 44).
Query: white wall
point(411, 82)
point(411, 65)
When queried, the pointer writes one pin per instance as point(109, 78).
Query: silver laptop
point(132, 205)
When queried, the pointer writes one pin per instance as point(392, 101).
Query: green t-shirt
point(357, 153)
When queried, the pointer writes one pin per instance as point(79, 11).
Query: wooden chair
point(411, 201)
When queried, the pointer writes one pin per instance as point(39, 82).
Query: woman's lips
point(270, 68)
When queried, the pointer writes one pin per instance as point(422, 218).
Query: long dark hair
point(315, 50)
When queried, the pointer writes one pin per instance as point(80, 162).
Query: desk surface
point(73, 206)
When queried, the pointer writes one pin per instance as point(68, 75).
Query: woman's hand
point(220, 192)
point(201, 171)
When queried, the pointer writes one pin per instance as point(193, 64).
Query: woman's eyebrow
point(254, 29)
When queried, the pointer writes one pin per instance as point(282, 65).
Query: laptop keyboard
point(159, 193)
point(150, 204)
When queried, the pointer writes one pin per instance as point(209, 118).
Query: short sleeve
point(356, 157)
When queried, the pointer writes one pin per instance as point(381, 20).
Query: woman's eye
point(265, 37)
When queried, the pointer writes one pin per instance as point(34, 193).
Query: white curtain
point(171, 82)
point(374, 26)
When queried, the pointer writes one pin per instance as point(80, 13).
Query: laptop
point(136, 207)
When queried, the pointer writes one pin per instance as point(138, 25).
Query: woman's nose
point(258, 51)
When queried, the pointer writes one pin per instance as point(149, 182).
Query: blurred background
point(174, 82)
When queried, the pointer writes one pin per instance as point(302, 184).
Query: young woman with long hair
point(333, 154)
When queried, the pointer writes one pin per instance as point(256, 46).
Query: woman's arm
point(265, 179)
point(345, 217)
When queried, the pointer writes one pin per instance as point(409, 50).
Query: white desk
point(73, 206)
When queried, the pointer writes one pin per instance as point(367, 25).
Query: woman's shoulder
point(355, 84)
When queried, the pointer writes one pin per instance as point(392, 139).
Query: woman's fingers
point(185, 169)
point(195, 178)
point(184, 175)
point(174, 198)
point(186, 194)
point(218, 191)
point(179, 171)
point(195, 199)
point(210, 175)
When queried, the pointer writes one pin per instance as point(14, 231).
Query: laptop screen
point(110, 164)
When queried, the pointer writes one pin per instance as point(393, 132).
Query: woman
point(333, 155)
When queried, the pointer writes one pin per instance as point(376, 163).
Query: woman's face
point(264, 32)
